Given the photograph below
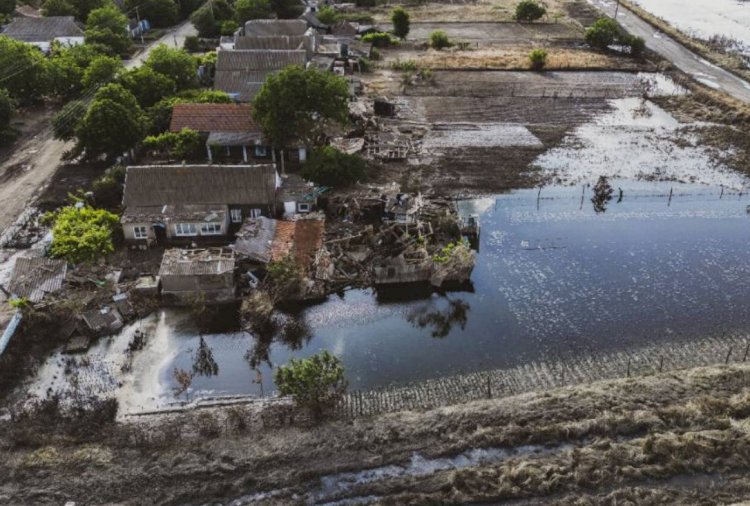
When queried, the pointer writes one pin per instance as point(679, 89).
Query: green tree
point(82, 234)
point(7, 111)
point(107, 26)
point(67, 66)
point(300, 105)
point(7, 7)
point(58, 8)
point(327, 15)
point(101, 70)
point(64, 123)
point(538, 58)
point(529, 10)
point(84, 7)
point(113, 122)
point(400, 20)
point(175, 64)
point(439, 40)
point(330, 167)
point(147, 85)
point(286, 9)
point(229, 26)
point(205, 22)
point(603, 33)
point(182, 144)
point(160, 13)
point(315, 383)
point(246, 10)
point(25, 70)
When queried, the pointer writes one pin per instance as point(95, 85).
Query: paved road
point(40, 156)
point(679, 55)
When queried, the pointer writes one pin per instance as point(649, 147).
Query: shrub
point(529, 10)
point(182, 144)
point(439, 39)
point(246, 10)
point(160, 13)
point(108, 187)
point(106, 26)
point(636, 44)
point(603, 33)
point(375, 54)
point(81, 233)
point(330, 167)
point(192, 44)
point(400, 20)
point(380, 39)
point(538, 58)
point(283, 277)
point(405, 65)
point(229, 26)
point(315, 383)
point(327, 15)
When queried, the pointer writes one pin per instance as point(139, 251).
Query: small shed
point(104, 321)
point(189, 274)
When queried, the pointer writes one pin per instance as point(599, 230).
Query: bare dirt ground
point(667, 439)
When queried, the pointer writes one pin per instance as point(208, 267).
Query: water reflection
point(441, 321)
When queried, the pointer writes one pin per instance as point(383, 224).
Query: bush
point(160, 13)
point(58, 8)
point(327, 15)
point(246, 10)
point(283, 278)
point(538, 58)
point(603, 33)
point(204, 21)
point(192, 44)
point(439, 40)
point(529, 10)
point(82, 234)
point(182, 144)
point(229, 26)
point(315, 383)
point(400, 20)
point(380, 39)
point(108, 187)
point(330, 167)
point(101, 70)
point(636, 44)
point(405, 65)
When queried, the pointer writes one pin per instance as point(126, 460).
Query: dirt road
point(25, 173)
point(684, 59)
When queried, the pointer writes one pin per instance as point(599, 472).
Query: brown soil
point(667, 439)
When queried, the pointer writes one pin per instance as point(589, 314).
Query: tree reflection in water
point(441, 321)
point(290, 330)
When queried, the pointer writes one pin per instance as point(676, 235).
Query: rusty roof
point(213, 118)
point(300, 238)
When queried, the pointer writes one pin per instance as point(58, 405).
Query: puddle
point(636, 140)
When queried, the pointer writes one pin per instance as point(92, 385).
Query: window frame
point(235, 215)
point(140, 231)
point(179, 230)
point(303, 207)
point(211, 228)
point(255, 212)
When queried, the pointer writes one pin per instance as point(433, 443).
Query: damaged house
point(188, 275)
point(402, 208)
point(194, 203)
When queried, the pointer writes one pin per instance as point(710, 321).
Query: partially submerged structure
point(103, 321)
point(191, 203)
point(42, 31)
point(198, 275)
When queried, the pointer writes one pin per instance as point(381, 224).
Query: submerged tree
point(602, 195)
point(184, 379)
point(203, 362)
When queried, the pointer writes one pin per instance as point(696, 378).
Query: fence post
point(661, 363)
point(489, 387)
point(729, 354)
point(747, 349)
point(628, 367)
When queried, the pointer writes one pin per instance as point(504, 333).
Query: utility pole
point(140, 28)
point(617, 8)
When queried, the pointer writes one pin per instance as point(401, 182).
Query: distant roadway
point(682, 58)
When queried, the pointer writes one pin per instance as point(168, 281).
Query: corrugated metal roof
point(256, 59)
point(213, 118)
point(199, 184)
point(33, 278)
point(255, 238)
point(266, 27)
point(197, 262)
point(233, 139)
point(277, 42)
point(42, 29)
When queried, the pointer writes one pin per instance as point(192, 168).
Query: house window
point(140, 232)
point(210, 228)
point(260, 151)
point(303, 208)
point(236, 215)
point(185, 229)
point(254, 213)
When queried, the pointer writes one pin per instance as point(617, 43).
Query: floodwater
point(705, 19)
point(554, 278)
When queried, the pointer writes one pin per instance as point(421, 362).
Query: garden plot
point(489, 33)
point(453, 135)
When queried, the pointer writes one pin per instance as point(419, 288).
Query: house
point(34, 277)
point(188, 276)
point(225, 126)
point(402, 208)
point(273, 27)
point(192, 203)
point(241, 73)
point(41, 32)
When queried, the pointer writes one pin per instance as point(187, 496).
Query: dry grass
point(517, 58)
point(480, 11)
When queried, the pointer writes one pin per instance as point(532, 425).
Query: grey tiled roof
point(278, 42)
point(42, 29)
point(266, 27)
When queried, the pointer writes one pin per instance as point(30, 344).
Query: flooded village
point(373, 253)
